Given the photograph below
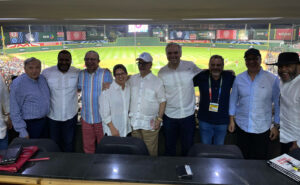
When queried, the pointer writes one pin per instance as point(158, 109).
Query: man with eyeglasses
point(91, 82)
point(179, 118)
point(250, 109)
point(62, 80)
point(147, 104)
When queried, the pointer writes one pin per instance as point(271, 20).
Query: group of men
point(243, 104)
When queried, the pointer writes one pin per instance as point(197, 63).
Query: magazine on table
point(287, 165)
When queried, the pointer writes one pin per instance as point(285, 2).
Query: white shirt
point(4, 100)
point(114, 107)
point(63, 92)
point(146, 95)
point(290, 111)
point(179, 87)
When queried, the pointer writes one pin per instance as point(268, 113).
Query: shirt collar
point(147, 76)
point(117, 86)
point(32, 80)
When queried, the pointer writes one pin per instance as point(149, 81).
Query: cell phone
point(184, 172)
point(11, 155)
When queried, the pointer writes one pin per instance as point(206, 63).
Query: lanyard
point(210, 91)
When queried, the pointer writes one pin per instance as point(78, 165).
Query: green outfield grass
point(111, 56)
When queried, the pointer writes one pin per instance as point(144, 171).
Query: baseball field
point(111, 56)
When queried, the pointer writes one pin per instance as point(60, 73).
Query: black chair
point(122, 145)
point(45, 145)
point(215, 151)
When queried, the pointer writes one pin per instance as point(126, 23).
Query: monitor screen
point(137, 28)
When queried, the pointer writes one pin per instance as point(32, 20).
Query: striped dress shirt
point(91, 87)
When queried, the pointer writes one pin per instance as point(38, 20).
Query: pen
point(39, 159)
point(294, 166)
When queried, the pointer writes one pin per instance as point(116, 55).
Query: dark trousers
point(63, 133)
point(285, 147)
point(37, 128)
point(253, 146)
point(174, 128)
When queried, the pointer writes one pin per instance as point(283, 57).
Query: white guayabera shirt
point(179, 87)
point(4, 100)
point(63, 92)
point(290, 111)
point(114, 107)
point(146, 95)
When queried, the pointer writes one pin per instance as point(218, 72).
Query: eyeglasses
point(92, 59)
point(142, 63)
point(254, 59)
point(175, 52)
point(120, 74)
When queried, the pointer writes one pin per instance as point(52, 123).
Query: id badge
point(213, 107)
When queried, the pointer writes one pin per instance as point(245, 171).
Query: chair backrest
point(45, 145)
point(122, 145)
point(215, 151)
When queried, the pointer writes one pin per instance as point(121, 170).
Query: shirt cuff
point(23, 133)
point(107, 120)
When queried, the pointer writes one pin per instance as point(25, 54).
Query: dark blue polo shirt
point(201, 80)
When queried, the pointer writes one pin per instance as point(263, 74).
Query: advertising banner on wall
point(60, 36)
point(16, 37)
point(204, 35)
point(243, 35)
point(179, 35)
point(93, 35)
point(260, 34)
point(47, 36)
point(76, 35)
point(226, 34)
point(284, 34)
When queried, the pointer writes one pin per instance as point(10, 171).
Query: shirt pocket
point(150, 95)
point(53, 83)
point(71, 82)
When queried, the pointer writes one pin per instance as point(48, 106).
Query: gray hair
point(28, 60)
point(217, 57)
point(173, 44)
point(92, 51)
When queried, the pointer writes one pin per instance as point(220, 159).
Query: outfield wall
point(150, 41)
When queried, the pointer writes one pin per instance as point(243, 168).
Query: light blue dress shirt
point(251, 101)
point(29, 99)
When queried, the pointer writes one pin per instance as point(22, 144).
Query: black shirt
point(201, 80)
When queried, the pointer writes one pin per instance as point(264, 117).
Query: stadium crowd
point(11, 67)
point(44, 104)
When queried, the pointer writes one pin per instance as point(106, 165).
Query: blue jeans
point(212, 133)
point(173, 128)
point(4, 142)
point(63, 133)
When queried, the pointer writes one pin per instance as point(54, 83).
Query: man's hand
point(274, 133)
point(231, 126)
point(157, 124)
point(105, 85)
point(113, 130)
point(9, 123)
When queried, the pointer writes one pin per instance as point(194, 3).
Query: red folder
point(24, 156)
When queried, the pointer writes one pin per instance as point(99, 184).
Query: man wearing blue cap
point(289, 69)
point(250, 109)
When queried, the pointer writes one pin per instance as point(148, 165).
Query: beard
point(63, 67)
point(291, 76)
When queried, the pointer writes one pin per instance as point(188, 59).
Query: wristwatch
point(276, 125)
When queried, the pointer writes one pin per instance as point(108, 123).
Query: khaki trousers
point(149, 137)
